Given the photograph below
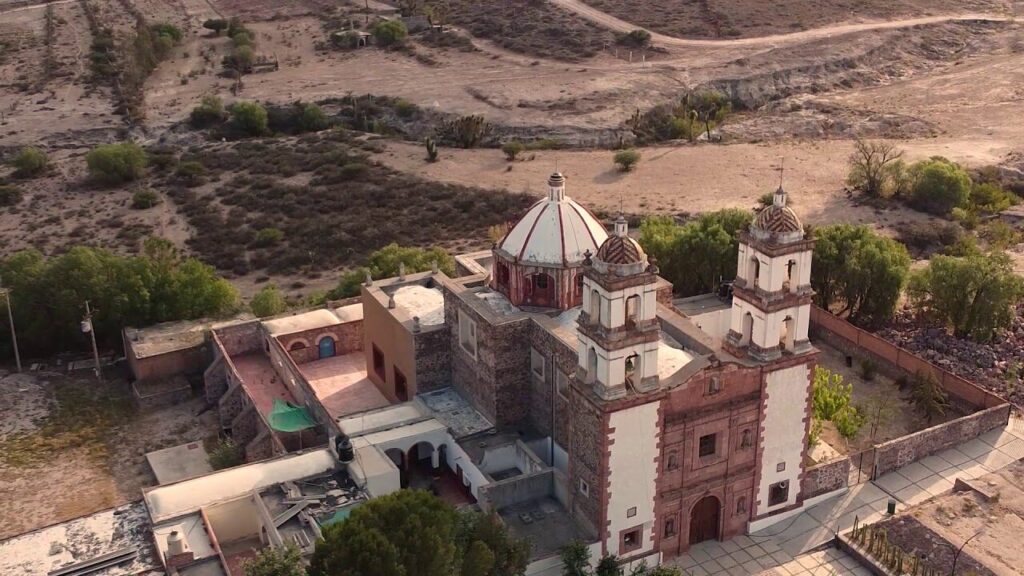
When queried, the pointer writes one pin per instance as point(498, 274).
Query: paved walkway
point(793, 547)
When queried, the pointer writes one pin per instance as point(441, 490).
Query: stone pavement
point(793, 547)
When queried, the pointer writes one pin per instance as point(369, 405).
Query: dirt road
point(618, 25)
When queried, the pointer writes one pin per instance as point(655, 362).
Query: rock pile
point(997, 365)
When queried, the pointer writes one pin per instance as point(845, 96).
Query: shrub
point(10, 195)
point(276, 561)
point(268, 302)
point(929, 236)
point(991, 199)
point(939, 186)
point(928, 396)
point(190, 173)
point(241, 59)
point(868, 369)
point(29, 162)
point(250, 118)
point(345, 39)
point(871, 168)
point(241, 38)
point(216, 24)
point(226, 454)
point(145, 198)
point(635, 39)
point(169, 30)
point(512, 149)
point(354, 171)
point(389, 33)
point(311, 118)
point(831, 395)
point(626, 160)
point(466, 131)
point(208, 113)
point(116, 163)
point(268, 237)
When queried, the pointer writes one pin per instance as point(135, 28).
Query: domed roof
point(619, 248)
point(777, 221)
point(555, 230)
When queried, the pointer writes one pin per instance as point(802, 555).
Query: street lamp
point(10, 318)
point(956, 555)
point(87, 328)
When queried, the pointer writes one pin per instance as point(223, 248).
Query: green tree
point(939, 186)
point(144, 199)
point(711, 108)
point(698, 255)
point(477, 532)
point(276, 561)
point(241, 59)
point(390, 33)
point(975, 294)
point(406, 533)
point(626, 160)
point(116, 163)
point(268, 302)
point(512, 149)
point(209, 112)
point(311, 118)
point(249, 118)
point(991, 199)
point(859, 271)
point(608, 566)
point(384, 263)
point(575, 559)
point(30, 161)
point(871, 168)
point(216, 24)
point(831, 395)
point(928, 396)
point(478, 560)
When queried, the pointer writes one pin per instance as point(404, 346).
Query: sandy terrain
point(83, 475)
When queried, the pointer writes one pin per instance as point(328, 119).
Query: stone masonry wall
point(240, 338)
point(557, 358)
point(825, 477)
point(348, 338)
point(898, 453)
point(433, 359)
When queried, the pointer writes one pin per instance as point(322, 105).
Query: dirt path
point(618, 25)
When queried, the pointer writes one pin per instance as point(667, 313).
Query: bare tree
point(870, 170)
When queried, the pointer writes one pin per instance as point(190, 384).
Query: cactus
point(431, 149)
point(467, 131)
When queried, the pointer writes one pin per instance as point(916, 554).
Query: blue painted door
point(327, 347)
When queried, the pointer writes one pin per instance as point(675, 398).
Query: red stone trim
point(510, 228)
point(526, 242)
point(592, 215)
point(561, 232)
point(775, 250)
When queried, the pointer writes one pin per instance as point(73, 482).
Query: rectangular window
point(631, 539)
point(778, 493)
point(537, 363)
point(562, 383)
point(670, 527)
point(780, 467)
point(707, 445)
point(378, 363)
point(467, 334)
point(631, 512)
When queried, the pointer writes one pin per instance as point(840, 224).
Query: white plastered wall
point(613, 304)
point(611, 364)
point(783, 436)
point(774, 271)
point(632, 474)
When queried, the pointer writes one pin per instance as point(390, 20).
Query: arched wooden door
point(704, 520)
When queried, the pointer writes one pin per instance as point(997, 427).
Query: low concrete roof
point(419, 301)
point(301, 322)
point(173, 336)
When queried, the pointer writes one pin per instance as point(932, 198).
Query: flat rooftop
point(302, 321)
point(419, 301)
point(169, 337)
point(455, 412)
point(261, 381)
point(342, 386)
point(61, 545)
point(701, 304)
point(546, 524)
point(497, 302)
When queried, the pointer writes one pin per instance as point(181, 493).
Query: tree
point(871, 168)
point(512, 149)
point(268, 302)
point(384, 263)
point(698, 255)
point(144, 199)
point(216, 24)
point(608, 566)
point(711, 108)
point(276, 561)
point(389, 33)
point(478, 561)
point(626, 160)
point(635, 38)
point(831, 395)
point(486, 542)
point(575, 559)
point(241, 59)
point(310, 117)
point(225, 454)
point(939, 186)
point(249, 118)
point(116, 163)
point(29, 162)
point(975, 293)
point(859, 270)
point(991, 199)
point(409, 532)
point(928, 396)
point(209, 112)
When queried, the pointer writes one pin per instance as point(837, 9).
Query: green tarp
point(287, 417)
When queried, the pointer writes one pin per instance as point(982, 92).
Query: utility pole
point(10, 318)
point(87, 328)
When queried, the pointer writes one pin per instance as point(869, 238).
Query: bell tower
point(771, 306)
point(618, 326)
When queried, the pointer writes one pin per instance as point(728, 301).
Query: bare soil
point(753, 18)
point(70, 446)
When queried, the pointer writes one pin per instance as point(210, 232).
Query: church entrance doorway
point(704, 520)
